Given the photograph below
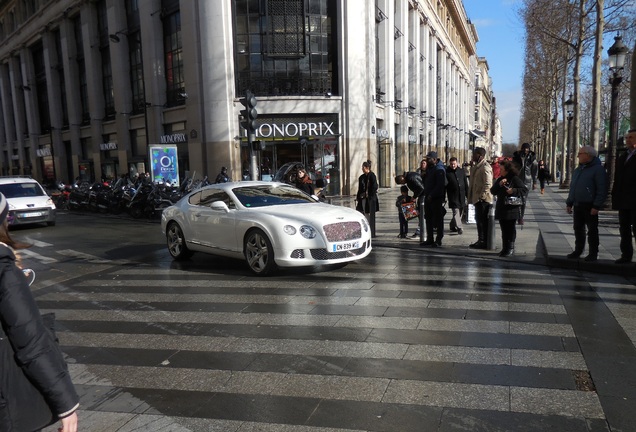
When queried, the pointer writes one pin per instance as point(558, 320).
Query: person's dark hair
point(511, 168)
point(6, 238)
point(400, 179)
point(367, 164)
point(452, 159)
point(631, 130)
point(480, 151)
point(404, 189)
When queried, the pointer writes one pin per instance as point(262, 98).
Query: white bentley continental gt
point(268, 224)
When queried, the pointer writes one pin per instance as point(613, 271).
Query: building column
point(73, 99)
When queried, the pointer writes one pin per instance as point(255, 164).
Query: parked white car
point(28, 202)
point(269, 224)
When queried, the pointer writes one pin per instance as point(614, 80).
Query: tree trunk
point(596, 75)
point(632, 92)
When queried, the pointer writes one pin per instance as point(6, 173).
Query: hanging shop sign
point(174, 138)
point(43, 152)
point(412, 139)
point(108, 146)
point(383, 133)
point(274, 130)
point(164, 164)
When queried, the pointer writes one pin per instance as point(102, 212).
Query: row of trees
point(566, 73)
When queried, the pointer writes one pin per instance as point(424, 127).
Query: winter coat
point(415, 183)
point(30, 346)
point(503, 211)
point(457, 187)
point(543, 174)
point(528, 167)
point(305, 184)
point(367, 196)
point(435, 181)
point(624, 189)
point(588, 185)
point(480, 183)
point(222, 178)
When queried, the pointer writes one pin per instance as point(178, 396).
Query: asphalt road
point(402, 341)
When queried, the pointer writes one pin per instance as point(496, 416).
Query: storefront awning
point(478, 133)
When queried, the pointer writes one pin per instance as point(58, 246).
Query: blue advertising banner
point(164, 165)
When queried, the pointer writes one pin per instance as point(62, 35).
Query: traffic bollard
point(490, 234)
point(422, 222)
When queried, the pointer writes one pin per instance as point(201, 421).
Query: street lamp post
point(617, 53)
point(567, 149)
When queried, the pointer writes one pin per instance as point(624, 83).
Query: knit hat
point(4, 208)
point(431, 155)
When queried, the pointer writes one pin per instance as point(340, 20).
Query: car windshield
point(266, 195)
point(21, 190)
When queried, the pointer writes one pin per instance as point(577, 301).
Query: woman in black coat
point(507, 185)
point(35, 386)
point(367, 196)
point(304, 182)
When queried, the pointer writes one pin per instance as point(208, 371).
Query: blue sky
point(501, 41)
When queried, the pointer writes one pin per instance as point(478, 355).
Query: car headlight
point(307, 232)
point(365, 225)
point(288, 229)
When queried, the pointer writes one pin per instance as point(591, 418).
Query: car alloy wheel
point(176, 242)
point(259, 253)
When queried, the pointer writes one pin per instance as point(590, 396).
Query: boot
point(508, 250)
point(542, 191)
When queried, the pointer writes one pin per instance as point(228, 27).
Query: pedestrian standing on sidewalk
point(543, 175)
point(479, 194)
point(435, 192)
point(624, 197)
point(422, 172)
point(456, 192)
point(526, 161)
point(367, 196)
point(508, 184)
point(588, 191)
point(403, 198)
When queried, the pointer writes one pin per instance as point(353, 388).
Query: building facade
point(89, 87)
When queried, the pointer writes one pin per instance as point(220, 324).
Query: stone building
point(88, 87)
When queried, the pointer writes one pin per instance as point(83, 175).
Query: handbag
point(512, 200)
point(409, 210)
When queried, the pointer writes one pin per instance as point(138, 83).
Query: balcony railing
point(291, 85)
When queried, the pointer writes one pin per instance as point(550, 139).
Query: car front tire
point(177, 243)
point(259, 253)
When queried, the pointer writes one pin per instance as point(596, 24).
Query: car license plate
point(32, 214)
point(338, 247)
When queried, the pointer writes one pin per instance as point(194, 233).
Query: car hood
point(28, 202)
point(317, 212)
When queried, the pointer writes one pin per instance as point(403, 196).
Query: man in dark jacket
point(457, 192)
point(588, 191)
point(624, 197)
point(526, 161)
point(435, 193)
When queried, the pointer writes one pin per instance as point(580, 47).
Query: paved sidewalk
point(545, 238)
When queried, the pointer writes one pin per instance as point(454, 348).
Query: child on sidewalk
point(403, 198)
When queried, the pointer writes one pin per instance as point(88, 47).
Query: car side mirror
point(219, 205)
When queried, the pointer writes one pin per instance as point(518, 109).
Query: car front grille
point(343, 231)
point(29, 215)
point(325, 255)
